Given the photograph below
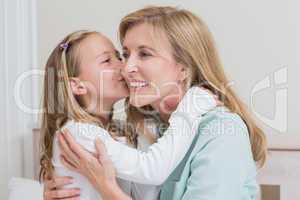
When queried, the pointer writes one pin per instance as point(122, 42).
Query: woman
point(82, 82)
point(152, 39)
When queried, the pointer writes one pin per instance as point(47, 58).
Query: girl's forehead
point(97, 43)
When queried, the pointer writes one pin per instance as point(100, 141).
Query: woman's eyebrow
point(146, 47)
point(125, 48)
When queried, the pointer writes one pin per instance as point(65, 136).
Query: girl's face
point(151, 72)
point(100, 72)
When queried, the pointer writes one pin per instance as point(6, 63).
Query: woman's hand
point(53, 189)
point(76, 158)
point(96, 167)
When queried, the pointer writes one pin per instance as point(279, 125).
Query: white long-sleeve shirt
point(139, 191)
point(156, 164)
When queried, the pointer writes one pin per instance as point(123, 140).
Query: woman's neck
point(167, 105)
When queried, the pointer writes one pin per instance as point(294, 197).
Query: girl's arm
point(154, 166)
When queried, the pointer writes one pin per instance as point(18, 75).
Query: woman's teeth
point(138, 84)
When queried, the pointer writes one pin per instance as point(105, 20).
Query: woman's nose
point(130, 66)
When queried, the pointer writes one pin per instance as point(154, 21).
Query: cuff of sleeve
point(195, 102)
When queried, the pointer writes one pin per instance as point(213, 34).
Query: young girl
point(82, 82)
point(220, 163)
point(72, 90)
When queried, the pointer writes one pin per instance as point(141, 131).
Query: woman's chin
point(135, 103)
point(139, 102)
point(140, 97)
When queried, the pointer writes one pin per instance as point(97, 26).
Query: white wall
point(255, 38)
point(17, 58)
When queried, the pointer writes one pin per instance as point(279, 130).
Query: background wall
point(258, 41)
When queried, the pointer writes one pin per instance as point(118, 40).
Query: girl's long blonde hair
point(59, 103)
point(194, 47)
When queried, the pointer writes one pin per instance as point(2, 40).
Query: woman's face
point(150, 70)
point(100, 70)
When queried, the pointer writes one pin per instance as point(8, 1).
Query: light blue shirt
point(218, 166)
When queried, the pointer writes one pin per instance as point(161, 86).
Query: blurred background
point(258, 41)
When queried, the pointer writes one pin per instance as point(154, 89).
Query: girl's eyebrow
point(105, 53)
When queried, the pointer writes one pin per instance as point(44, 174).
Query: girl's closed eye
point(107, 60)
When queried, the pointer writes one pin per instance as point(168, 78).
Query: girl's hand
point(53, 189)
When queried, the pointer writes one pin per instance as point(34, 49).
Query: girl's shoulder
point(84, 130)
point(81, 126)
point(86, 133)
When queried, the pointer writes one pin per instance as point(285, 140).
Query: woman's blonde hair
point(193, 46)
point(59, 103)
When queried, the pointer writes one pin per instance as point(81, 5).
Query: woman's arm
point(224, 168)
point(155, 165)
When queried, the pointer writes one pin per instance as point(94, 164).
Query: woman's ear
point(183, 72)
point(77, 86)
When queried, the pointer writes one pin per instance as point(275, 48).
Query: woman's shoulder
point(224, 137)
point(222, 126)
point(221, 121)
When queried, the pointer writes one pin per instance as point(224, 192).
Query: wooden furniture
point(280, 177)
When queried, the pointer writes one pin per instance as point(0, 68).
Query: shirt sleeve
point(155, 165)
point(222, 166)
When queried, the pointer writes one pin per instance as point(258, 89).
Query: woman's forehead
point(145, 35)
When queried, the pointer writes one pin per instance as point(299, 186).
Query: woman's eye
point(144, 54)
point(118, 56)
point(125, 55)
